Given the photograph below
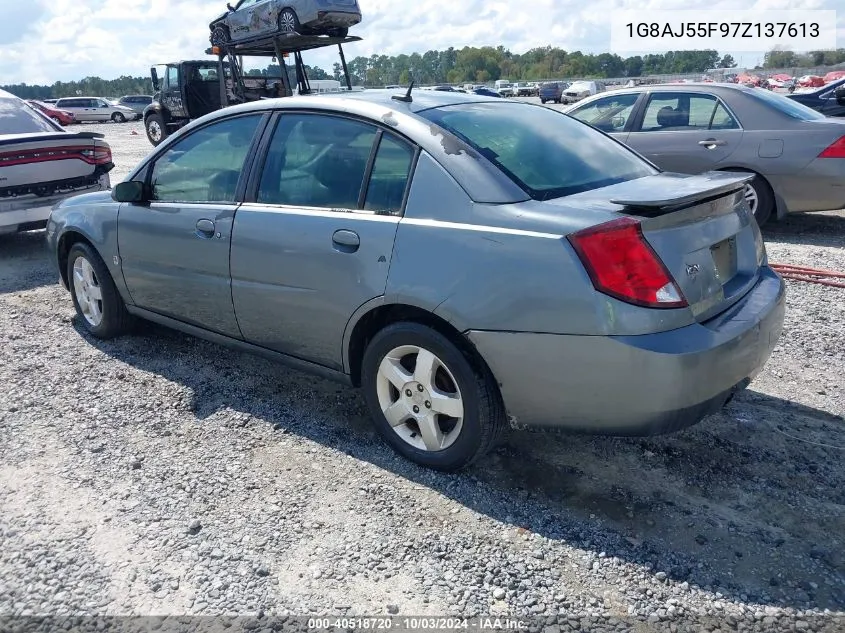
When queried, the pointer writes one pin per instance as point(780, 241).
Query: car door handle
point(712, 142)
point(346, 241)
point(205, 228)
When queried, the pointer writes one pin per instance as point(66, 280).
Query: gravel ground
point(159, 474)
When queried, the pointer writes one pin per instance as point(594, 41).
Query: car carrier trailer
point(187, 90)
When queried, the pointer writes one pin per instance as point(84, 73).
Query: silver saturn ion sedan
point(470, 264)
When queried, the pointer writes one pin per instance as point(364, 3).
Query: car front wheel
point(95, 297)
point(156, 129)
point(431, 402)
point(118, 117)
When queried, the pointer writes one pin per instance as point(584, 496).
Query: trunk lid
point(701, 228)
point(44, 160)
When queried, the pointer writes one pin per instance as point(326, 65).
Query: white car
point(581, 89)
point(41, 163)
point(96, 109)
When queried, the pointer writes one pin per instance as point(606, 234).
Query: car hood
point(87, 199)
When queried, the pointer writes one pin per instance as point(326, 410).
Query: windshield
point(16, 117)
point(545, 152)
point(786, 105)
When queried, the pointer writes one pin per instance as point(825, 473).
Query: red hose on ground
point(810, 275)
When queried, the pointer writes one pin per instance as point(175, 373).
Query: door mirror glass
point(131, 191)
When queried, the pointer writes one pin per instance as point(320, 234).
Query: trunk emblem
point(692, 270)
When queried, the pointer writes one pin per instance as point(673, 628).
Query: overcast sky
point(50, 40)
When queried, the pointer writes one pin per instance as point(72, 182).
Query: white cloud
point(50, 40)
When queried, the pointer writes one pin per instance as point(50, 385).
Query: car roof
point(7, 95)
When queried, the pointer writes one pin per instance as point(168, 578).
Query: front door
point(685, 132)
point(170, 96)
point(610, 114)
point(175, 251)
point(316, 241)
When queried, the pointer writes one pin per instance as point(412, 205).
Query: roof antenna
point(407, 96)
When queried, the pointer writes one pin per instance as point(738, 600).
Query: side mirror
point(840, 95)
point(229, 6)
point(154, 76)
point(131, 191)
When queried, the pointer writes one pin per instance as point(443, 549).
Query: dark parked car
point(467, 262)
point(137, 102)
point(552, 91)
point(829, 99)
point(486, 92)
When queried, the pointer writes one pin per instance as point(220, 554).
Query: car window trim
point(242, 180)
point(637, 127)
point(262, 152)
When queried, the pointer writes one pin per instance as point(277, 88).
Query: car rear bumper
point(636, 385)
point(339, 19)
point(31, 211)
point(820, 186)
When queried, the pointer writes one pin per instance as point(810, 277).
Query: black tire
point(765, 200)
point(484, 419)
point(118, 117)
point(56, 120)
point(338, 32)
point(220, 36)
point(156, 129)
point(115, 319)
point(543, 101)
point(289, 22)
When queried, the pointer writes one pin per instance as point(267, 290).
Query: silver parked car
point(41, 164)
point(136, 103)
point(797, 155)
point(249, 19)
point(466, 262)
point(96, 109)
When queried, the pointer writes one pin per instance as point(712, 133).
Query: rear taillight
point(93, 155)
point(97, 155)
point(835, 149)
point(622, 264)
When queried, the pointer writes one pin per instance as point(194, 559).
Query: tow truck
point(190, 89)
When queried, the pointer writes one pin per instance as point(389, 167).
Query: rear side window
point(16, 117)
point(545, 152)
point(685, 111)
point(389, 178)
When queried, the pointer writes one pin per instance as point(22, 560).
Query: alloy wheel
point(89, 294)
point(420, 398)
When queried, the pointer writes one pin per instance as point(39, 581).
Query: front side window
point(316, 161)
point(609, 114)
point(545, 152)
point(206, 165)
point(172, 76)
point(684, 111)
point(16, 117)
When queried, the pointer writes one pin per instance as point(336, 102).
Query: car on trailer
point(187, 90)
point(262, 18)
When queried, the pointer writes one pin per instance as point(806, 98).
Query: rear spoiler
point(680, 190)
point(50, 136)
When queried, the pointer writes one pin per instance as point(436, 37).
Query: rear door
point(316, 240)
point(175, 250)
point(687, 132)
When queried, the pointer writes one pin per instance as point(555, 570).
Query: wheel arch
point(377, 314)
point(780, 203)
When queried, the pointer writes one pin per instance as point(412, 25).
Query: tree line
point(472, 65)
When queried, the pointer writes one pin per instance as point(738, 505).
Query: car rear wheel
point(431, 403)
point(156, 129)
point(56, 120)
point(288, 22)
point(95, 297)
point(220, 36)
point(760, 200)
point(118, 117)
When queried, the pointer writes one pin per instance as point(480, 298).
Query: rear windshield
point(16, 117)
point(543, 151)
point(786, 105)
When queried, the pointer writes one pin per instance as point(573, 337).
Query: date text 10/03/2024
point(401, 623)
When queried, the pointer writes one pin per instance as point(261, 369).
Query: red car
point(62, 117)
